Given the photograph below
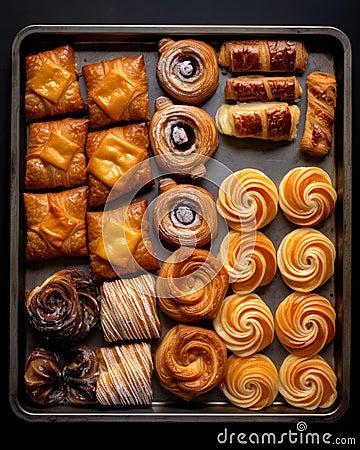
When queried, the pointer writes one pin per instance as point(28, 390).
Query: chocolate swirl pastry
point(187, 70)
point(65, 307)
point(182, 137)
point(66, 377)
point(185, 214)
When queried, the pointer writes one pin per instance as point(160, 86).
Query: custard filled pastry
point(117, 90)
point(320, 114)
point(125, 375)
point(52, 86)
point(250, 382)
point(187, 70)
point(306, 259)
point(191, 285)
point(190, 361)
point(182, 138)
point(184, 214)
point(263, 55)
point(305, 323)
point(275, 121)
point(56, 154)
point(307, 382)
point(56, 224)
point(119, 241)
point(307, 196)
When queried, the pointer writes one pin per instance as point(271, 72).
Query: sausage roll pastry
point(52, 86)
point(263, 55)
point(187, 70)
point(56, 155)
point(275, 121)
point(117, 90)
point(118, 161)
point(119, 241)
point(182, 138)
point(320, 114)
point(56, 224)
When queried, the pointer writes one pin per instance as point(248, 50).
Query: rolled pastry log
point(276, 121)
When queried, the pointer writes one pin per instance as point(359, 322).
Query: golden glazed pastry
point(119, 241)
point(250, 382)
point(182, 138)
point(184, 214)
point(56, 224)
point(305, 323)
point(187, 70)
point(125, 374)
point(117, 90)
point(263, 55)
point(52, 86)
point(320, 114)
point(306, 259)
point(307, 196)
point(249, 259)
point(307, 382)
point(247, 199)
point(190, 361)
point(118, 161)
point(245, 324)
point(191, 285)
point(275, 121)
point(128, 309)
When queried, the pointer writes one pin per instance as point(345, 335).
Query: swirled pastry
point(66, 377)
point(184, 214)
point(191, 285)
point(307, 382)
point(306, 259)
point(247, 199)
point(305, 323)
point(307, 196)
point(245, 324)
point(250, 382)
point(125, 374)
point(52, 86)
point(182, 138)
point(65, 307)
point(190, 361)
point(187, 70)
point(249, 259)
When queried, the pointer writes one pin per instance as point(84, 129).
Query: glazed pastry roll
point(276, 121)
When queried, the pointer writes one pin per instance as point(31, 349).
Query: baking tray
point(329, 50)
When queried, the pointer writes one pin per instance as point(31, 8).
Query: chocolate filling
point(182, 136)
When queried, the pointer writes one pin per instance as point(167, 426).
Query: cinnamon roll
point(190, 361)
point(305, 323)
point(307, 382)
point(187, 70)
point(250, 382)
point(191, 285)
point(307, 196)
point(182, 137)
point(306, 259)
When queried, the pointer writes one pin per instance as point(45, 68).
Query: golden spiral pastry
point(187, 70)
point(305, 323)
point(191, 285)
point(190, 361)
point(249, 259)
point(307, 196)
point(306, 259)
point(245, 324)
point(307, 382)
point(250, 382)
point(182, 137)
point(247, 199)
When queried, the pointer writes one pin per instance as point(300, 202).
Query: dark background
point(342, 14)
